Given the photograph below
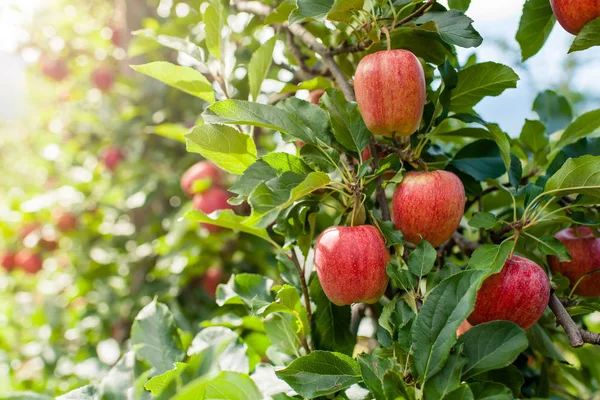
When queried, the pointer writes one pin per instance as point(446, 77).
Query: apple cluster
point(429, 205)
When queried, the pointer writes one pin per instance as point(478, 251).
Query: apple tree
point(395, 244)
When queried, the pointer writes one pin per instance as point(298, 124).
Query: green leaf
point(463, 392)
point(400, 275)
point(422, 258)
point(390, 233)
point(347, 123)
point(589, 36)
point(225, 345)
point(285, 162)
point(509, 376)
point(154, 337)
point(214, 19)
point(281, 13)
point(171, 131)
point(185, 79)
point(577, 175)
point(342, 9)
point(259, 65)
point(481, 80)
point(87, 392)
point(227, 147)
point(311, 9)
point(539, 340)
point(460, 5)
point(373, 369)
point(117, 382)
point(228, 219)
point(480, 159)
point(315, 156)
point(319, 82)
point(434, 330)
point(484, 220)
point(492, 345)
point(536, 24)
point(321, 373)
point(490, 391)
point(395, 388)
point(551, 246)
point(227, 385)
point(395, 315)
point(245, 112)
point(159, 383)
point(554, 110)
point(581, 127)
point(330, 323)
point(424, 41)
point(448, 378)
point(282, 330)
point(309, 114)
point(491, 257)
point(250, 289)
point(534, 138)
point(454, 27)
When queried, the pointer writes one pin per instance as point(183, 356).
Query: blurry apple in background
point(572, 15)
point(465, 326)
point(315, 96)
point(351, 262)
point(428, 205)
point(54, 69)
point(28, 228)
point(64, 221)
point(390, 92)
point(519, 293)
point(29, 261)
point(200, 171)
point(103, 78)
point(211, 279)
point(112, 157)
point(7, 260)
point(48, 242)
point(213, 199)
point(584, 249)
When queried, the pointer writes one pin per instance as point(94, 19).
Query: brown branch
point(380, 191)
point(404, 155)
point(300, 271)
point(577, 336)
point(301, 58)
point(365, 44)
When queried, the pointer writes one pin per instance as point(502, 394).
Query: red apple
point(465, 326)
point(315, 96)
point(574, 14)
point(390, 91)
point(350, 263)
point(56, 70)
point(584, 249)
point(29, 261)
point(7, 260)
point(211, 279)
point(112, 157)
point(116, 36)
point(65, 221)
point(213, 199)
point(519, 293)
point(428, 205)
point(103, 78)
point(199, 171)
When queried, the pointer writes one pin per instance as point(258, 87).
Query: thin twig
point(577, 336)
point(365, 44)
point(301, 58)
point(294, 258)
point(380, 191)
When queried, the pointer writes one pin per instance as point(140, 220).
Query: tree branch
point(300, 58)
point(305, 294)
point(380, 191)
point(577, 336)
point(365, 44)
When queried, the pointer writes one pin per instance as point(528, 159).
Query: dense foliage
point(112, 259)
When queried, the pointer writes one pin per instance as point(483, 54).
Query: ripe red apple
point(112, 157)
point(315, 96)
point(519, 293)
point(103, 78)
point(29, 261)
point(7, 260)
point(465, 326)
point(350, 263)
point(56, 70)
point(213, 199)
point(65, 221)
point(390, 91)
point(211, 279)
point(574, 14)
point(428, 204)
point(584, 249)
point(199, 171)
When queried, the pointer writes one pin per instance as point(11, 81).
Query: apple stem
point(576, 230)
point(387, 36)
